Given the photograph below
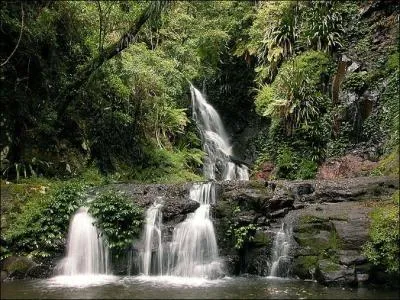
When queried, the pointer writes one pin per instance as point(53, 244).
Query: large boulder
point(16, 267)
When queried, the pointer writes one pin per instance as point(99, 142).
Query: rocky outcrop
point(329, 220)
point(348, 166)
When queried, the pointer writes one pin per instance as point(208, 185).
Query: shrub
point(383, 248)
point(42, 224)
point(119, 219)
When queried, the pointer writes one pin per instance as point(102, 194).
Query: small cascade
point(151, 258)
point(280, 262)
point(193, 250)
point(86, 250)
point(217, 164)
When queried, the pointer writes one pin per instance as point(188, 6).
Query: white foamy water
point(194, 250)
point(151, 257)
point(80, 281)
point(86, 250)
point(280, 252)
point(217, 163)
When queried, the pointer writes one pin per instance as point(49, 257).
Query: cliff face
point(329, 219)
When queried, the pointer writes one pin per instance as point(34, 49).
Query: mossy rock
point(261, 239)
point(304, 266)
point(17, 264)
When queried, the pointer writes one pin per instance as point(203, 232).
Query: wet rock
point(330, 273)
point(176, 208)
point(39, 271)
point(278, 213)
point(351, 257)
point(17, 266)
point(4, 275)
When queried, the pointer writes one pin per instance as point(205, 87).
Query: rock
point(278, 213)
point(4, 275)
point(17, 266)
point(353, 234)
point(39, 271)
point(304, 266)
point(346, 166)
point(351, 257)
point(175, 208)
point(330, 273)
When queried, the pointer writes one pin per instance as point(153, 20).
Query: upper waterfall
point(217, 164)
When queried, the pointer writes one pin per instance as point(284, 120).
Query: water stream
point(152, 256)
point(280, 261)
point(193, 251)
point(86, 250)
point(216, 145)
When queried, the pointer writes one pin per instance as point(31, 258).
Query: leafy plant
point(119, 219)
point(41, 226)
point(240, 234)
point(383, 248)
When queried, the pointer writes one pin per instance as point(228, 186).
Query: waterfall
point(217, 164)
point(194, 251)
point(86, 251)
point(280, 252)
point(152, 257)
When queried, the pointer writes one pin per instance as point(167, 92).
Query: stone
point(17, 266)
point(4, 275)
point(278, 213)
point(331, 273)
point(39, 271)
point(351, 257)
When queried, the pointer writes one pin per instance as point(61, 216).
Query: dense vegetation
point(99, 86)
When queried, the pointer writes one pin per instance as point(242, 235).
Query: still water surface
point(140, 287)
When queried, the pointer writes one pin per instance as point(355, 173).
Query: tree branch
point(19, 38)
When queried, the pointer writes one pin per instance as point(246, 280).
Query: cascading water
point(217, 164)
point(152, 257)
point(86, 251)
point(193, 251)
point(280, 252)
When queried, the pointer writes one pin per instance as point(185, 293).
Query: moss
point(303, 266)
point(330, 266)
point(311, 219)
point(260, 239)
point(389, 165)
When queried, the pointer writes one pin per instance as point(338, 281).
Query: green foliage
point(119, 219)
point(291, 165)
point(356, 82)
point(322, 25)
point(383, 248)
point(293, 97)
point(241, 234)
point(389, 164)
point(41, 225)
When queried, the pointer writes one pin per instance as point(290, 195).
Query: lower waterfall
point(151, 257)
point(193, 251)
point(280, 261)
point(86, 250)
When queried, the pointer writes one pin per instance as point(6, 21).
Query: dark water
point(181, 288)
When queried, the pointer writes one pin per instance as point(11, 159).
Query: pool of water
point(142, 287)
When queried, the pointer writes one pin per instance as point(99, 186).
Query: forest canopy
point(104, 84)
